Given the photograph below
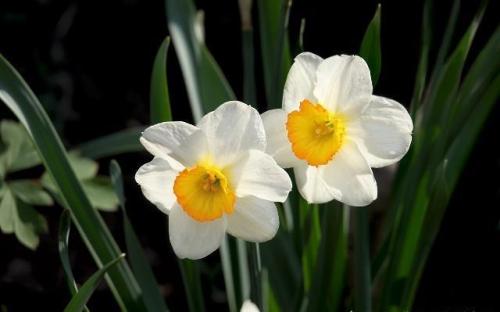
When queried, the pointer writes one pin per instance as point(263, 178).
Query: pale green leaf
point(31, 192)
point(7, 211)
point(101, 194)
point(29, 224)
point(20, 152)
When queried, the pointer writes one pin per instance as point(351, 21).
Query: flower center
point(204, 192)
point(315, 133)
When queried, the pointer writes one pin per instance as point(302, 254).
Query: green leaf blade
point(140, 266)
point(78, 302)
point(159, 98)
point(371, 49)
point(18, 97)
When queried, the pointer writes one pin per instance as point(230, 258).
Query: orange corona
point(204, 192)
point(315, 133)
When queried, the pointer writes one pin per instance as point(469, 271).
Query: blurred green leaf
point(18, 97)
point(79, 300)
point(84, 168)
point(371, 49)
point(7, 211)
point(101, 194)
point(206, 86)
point(29, 224)
point(30, 192)
point(97, 188)
point(275, 51)
point(140, 265)
point(20, 152)
point(120, 142)
point(21, 219)
point(159, 99)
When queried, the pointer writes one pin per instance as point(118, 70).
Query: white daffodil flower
point(332, 130)
point(213, 178)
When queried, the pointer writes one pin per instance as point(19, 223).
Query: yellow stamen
point(315, 133)
point(204, 192)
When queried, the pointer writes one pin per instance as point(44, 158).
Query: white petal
point(257, 174)
point(192, 239)
point(162, 138)
point(156, 179)
point(349, 175)
point(299, 83)
point(343, 84)
point(249, 306)
point(253, 219)
point(178, 140)
point(312, 186)
point(383, 132)
point(278, 144)
point(234, 127)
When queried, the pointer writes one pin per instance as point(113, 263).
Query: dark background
point(90, 63)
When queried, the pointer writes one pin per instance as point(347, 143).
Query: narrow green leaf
point(362, 270)
point(421, 75)
point(243, 268)
point(125, 141)
point(140, 265)
point(215, 88)
point(483, 70)
point(206, 86)
point(16, 94)
point(275, 52)
point(447, 178)
point(311, 235)
point(79, 301)
point(329, 277)
point(371, 49)
point(280, 257)
point(435, 109)
point(433, 128)
point(225, 255)
point(158, 95)
point(192, 283)
point(63, 238)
